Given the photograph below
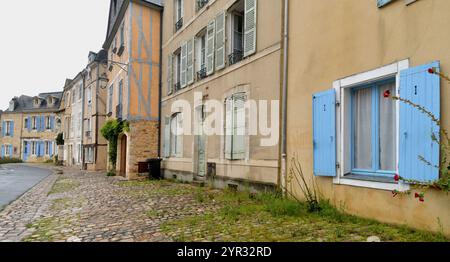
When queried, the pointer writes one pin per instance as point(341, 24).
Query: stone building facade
point(29, 128)
point(133, 43)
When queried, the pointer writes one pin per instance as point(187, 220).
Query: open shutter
point(167, 137)
point(43, 123)
point(11, 131)
point(10, 151)
point(190, 62)
point(3, 151)
point(228, 128)
point(38, 124)
point(220, 41)
point(183, 65)
point(250, 27)
point(179, 135)
point(239, 144)
point(52, 122)
point(416, 129)
point(50, 149)
point(381, 3)
point(210, 44)
point(28, 124)
point(324, 133)
point(28, 149)
point(169, 74)
point(3, 128)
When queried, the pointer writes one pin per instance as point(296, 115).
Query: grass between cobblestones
point(267, 217)
point(64, 185)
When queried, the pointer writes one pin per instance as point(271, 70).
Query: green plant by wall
point(111, 131)
point(60, 139)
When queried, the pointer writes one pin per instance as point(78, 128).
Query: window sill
point(372, 182)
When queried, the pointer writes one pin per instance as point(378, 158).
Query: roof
point(116, 13)
point(26, 103)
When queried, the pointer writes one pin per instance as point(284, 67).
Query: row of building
point(313, 75)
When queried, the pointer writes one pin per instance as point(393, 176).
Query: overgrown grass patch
point(64, 185)
point(10, 161)
point(268, 217)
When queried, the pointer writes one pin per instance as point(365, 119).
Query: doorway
point(123, 156)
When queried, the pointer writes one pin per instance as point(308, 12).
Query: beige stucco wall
point(334, 39)
point(257, 75)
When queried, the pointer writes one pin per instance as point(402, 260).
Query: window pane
point(388, 129)
point(362, 113)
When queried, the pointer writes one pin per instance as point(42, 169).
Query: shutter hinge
point(338, 165)
point(338, 104)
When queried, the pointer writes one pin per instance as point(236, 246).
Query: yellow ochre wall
point(334, 39)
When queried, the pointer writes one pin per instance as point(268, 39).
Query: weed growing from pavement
point(64, 185)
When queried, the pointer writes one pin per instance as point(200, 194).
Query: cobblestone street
point(93, 207)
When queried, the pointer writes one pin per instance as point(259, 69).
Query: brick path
point(92, 207)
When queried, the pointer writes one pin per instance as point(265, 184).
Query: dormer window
point(50, 101)
point(36, 102)
point(12, 105)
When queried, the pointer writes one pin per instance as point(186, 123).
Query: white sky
point(44, 42)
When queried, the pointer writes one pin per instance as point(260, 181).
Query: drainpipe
point(96, 114)
point(83, 75)
point(160, 84)
point(284, 98)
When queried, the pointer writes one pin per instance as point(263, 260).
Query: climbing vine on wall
point(111, 131)
point(443, 183)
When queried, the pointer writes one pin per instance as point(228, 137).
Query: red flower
point(417, 195)
point(422, 199)
point(431, 70)
point(387, 93)
point(396, 178)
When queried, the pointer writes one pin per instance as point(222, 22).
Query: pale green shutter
point(239, 144)
point(169, 75)
point(220, 41)
point(183, 64)
point(179, 152)
point(190, 62)
point(210, 50)
point(167, 137)
point(250, 27)
point(228, 128)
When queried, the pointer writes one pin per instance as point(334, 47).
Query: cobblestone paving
point(91, 207)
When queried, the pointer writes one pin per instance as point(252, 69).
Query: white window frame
point(8, 127)
point(175, 136)
point(33, 148)
point(47, 148)
point(343, 87)
point(33, 123)
point(47, 123)
point(7, 150)
point(200, 50)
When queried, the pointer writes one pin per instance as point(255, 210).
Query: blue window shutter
point(38, 123)
point(381, 3)
point(3, 151)
point(12, 129)
point(3, 128)
point(42, 123)
point(10, 151)
point(50, 150)
point(29, 124)
point(416, 128)
point(52, 122)
point(324, 133)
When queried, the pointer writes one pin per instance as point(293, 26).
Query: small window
point(110, 98)
point(236, 33)
point(34, 148)
point(48, 123)
point(200, 46)
point(47, 148)
point(374, 129)
point(201, 4)
point(177, 67)
point(178, 14)
point(8, 125)
point(34, 123)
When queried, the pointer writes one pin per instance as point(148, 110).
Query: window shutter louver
point(3, 128)
point(228, 128)
point(250, 27)
point(220, 41)
point(11, 131)
point(167, 137)
point(324, 133)
point(10, 151)
point(179, 135)
point(28, 149)
point(210, 44)
point(169, 75)
point(3, 151)
point(239, 144)
point(190, 62)
point(183, 65)
point(416, 128)
point(52, 122)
